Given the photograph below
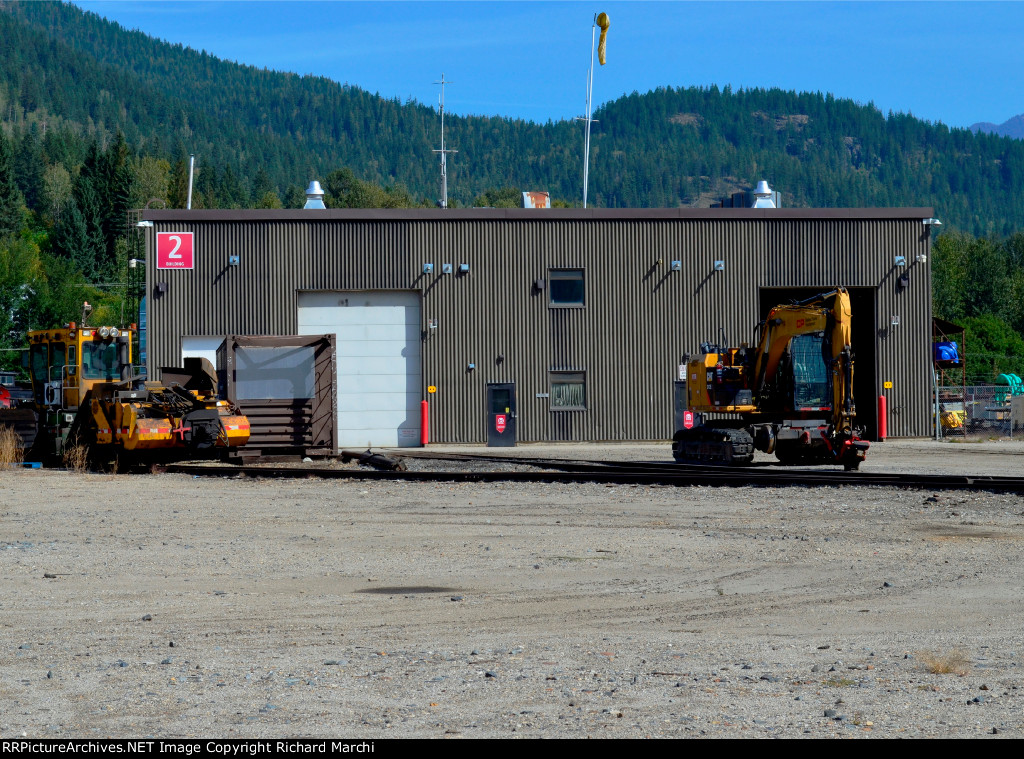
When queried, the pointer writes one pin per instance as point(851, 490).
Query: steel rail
point(644, 473)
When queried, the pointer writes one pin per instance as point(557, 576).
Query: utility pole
point(443, 151)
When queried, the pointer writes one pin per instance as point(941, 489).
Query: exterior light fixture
point(446, 268)
point(931, 222)
point(144, 224)
point(719, 265)
point(133, 262)
point(677, 266)
point(428, 268)
point(921, 258)
point(900, 261)
point(233, 260)
point(463, 268)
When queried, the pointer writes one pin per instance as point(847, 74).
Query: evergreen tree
point(177, 191)
point(11, 200)
point(29, 167)
point(72, 242)
point(85, 227)
point(230, 193)
point(261, 186)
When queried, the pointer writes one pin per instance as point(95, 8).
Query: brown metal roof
point(530, 214)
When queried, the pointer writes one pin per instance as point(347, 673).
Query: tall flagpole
point(590, 93)
point(600, 20)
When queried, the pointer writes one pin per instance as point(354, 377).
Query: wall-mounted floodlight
point(677, 265)
point(446, 268)
point(144, 224)
point(428, 268)
point(900, 261)
point(719, 265)
point(470, 367)
point(233, 259)
point(133, 262)
point(931, 222)
point(463, 268)
point(921, 258)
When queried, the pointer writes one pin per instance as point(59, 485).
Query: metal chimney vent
point(314, 196)
point(763, 193)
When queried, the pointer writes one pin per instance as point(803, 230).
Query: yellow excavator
point(84, 394)
point(791, 396)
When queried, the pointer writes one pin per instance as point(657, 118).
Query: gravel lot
point(173, 606)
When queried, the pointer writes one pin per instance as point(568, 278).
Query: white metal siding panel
point(194, 346)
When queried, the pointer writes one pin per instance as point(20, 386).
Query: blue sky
point(955, 62)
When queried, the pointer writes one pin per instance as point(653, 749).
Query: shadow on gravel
point(407, 591)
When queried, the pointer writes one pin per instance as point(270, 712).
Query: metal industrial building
point(582, 314)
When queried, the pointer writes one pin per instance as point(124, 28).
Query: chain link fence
point(986, 410)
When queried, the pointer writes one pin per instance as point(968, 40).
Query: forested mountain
point(96, 120)
point(87, 78)
point(1012, 127)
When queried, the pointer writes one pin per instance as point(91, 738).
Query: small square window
point(568, 391)
point(565, 287)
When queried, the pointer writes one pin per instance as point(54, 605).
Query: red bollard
point(424, 415)
point(883, 418)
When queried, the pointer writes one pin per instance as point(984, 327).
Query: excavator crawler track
point(713, 445)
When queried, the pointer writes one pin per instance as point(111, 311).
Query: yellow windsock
point(604, 23)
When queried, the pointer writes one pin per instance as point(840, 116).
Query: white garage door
point(378, 342)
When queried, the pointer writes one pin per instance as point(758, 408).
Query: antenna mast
point(444, 152)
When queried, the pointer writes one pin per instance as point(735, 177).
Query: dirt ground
point(174, 606)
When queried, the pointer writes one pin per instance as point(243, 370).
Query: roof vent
point(536, 200)
point(314, 196)
point(763, 193)
point(761, 196)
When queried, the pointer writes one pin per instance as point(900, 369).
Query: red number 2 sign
point(174, 250)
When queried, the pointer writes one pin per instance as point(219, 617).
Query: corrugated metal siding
point(639, 316)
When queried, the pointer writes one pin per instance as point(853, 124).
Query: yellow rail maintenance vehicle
point(84, 393)
point(791, 395)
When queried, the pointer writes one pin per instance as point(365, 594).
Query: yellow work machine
point(792, 395)
point(84, 394)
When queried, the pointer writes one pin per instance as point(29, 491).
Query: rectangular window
point(568, 391)
point(566, 287)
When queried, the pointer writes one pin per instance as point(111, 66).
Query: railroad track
point(613, 472)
